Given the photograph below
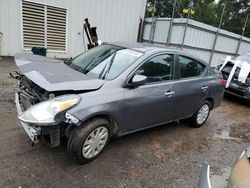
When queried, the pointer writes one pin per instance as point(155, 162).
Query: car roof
point(146, 48)
point(142, 47)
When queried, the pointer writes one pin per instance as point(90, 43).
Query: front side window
point(157, 69)
point(190, 67)
point(105, 61)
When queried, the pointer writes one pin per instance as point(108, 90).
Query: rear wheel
point(200, 117)
point(85, 143)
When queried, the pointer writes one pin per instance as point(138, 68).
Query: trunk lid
point(54, 75)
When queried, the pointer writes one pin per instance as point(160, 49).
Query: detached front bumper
point(33, 132)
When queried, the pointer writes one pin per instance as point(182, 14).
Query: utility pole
point(242, 34)
point(244, 28)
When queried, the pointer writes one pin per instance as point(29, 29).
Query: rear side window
point(190, 67)
point(158, 68)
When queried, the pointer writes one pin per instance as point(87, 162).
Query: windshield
point(244, 57)
point(105, 61)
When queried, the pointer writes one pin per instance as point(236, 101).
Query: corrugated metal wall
point(116, 20)
point(199, 38)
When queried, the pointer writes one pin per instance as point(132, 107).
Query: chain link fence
point(214, 29)
point(228, 15)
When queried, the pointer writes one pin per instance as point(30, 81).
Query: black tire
point(79, 135)
point(194, 119)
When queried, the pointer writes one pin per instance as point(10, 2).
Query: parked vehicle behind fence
point(237, 73)
point(112, 90)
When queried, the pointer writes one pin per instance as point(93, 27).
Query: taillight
point(223, 82)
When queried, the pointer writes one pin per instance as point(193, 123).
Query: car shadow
point(161, 129)
point(155, 138)
point(143, 138)
point(237, 100)
point(167, 139)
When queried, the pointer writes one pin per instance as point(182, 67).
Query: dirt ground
point(167, 156)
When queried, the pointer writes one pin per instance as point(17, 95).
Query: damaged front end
point(43, 114)
point(33, 132)
point(48, 88)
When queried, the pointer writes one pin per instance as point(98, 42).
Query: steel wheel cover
point(95, 142)
point(202, 114)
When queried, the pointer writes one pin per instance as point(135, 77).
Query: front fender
point(114, 112)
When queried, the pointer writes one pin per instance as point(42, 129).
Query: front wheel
point(85, 143)
point(200, 117)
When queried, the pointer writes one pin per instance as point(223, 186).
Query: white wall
point(10, 26)
point(116, 20)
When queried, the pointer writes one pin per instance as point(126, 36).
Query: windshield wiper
point(103, 74)
point(77, 67)
point(68, 61)
point(84, 70)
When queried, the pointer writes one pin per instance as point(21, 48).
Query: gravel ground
point(166, 156)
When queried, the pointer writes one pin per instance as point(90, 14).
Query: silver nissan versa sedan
point(112, 90)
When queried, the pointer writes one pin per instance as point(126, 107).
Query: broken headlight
point(46, 112)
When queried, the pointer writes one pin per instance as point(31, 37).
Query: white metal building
point(58, 24)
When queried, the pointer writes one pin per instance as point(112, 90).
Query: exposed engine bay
point(29, 92)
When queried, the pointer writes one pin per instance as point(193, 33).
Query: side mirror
point(138, 80)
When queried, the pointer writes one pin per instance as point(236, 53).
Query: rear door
point(194, 85)
point(154, 102)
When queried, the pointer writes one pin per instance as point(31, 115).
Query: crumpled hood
point(54, 75)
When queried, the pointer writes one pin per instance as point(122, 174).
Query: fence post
point(1, 34)
point(186, 24)
point(152, 23)
point(152, 30)
point(216, 35)
point(171, 24)
point(185, 31)
point(238, 47)
point(242, 34)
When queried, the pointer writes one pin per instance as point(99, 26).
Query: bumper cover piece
point(33, 132)
point(238, 91)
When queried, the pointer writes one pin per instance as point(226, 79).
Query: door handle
point(204, 87)
point(169, 93)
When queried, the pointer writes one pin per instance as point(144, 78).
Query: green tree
point(204, 9)
point(235, 15)
point(163, 8)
